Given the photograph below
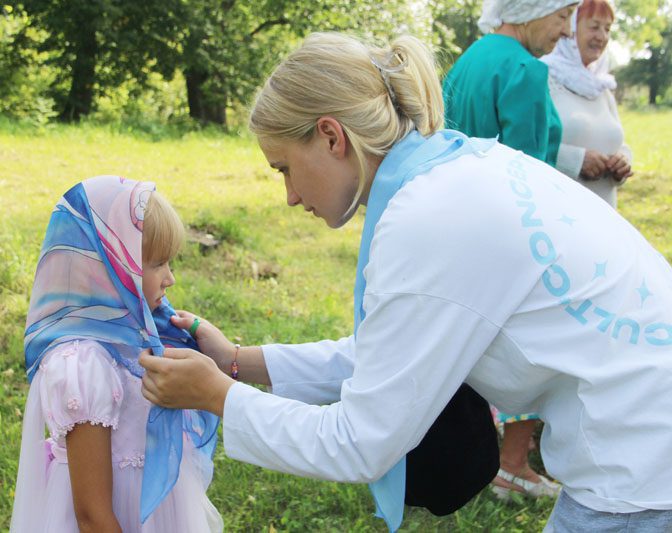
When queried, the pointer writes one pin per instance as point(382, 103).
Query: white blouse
point(588, 125)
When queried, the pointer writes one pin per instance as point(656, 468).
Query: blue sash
point(410, 157)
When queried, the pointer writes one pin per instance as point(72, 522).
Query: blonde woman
point(477, 263)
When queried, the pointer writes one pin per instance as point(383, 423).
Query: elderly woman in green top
point(498, 87)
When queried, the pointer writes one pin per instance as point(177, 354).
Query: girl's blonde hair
point(378, 95)
point(162, 231)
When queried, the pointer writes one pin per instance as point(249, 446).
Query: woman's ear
point(329, 130)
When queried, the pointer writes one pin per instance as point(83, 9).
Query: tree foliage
point(647, 24)
point(24, 82)
point(97, 44)
point(231, 46)
point(68, 55)
point(224, 48)
point(454, 25)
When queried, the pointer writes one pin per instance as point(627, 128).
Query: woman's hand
point(184, 379)
point(594, 165)
point(211, 341)
point(619, 167)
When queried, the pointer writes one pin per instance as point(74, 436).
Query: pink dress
point(78, 382)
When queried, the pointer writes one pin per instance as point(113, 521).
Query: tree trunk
point(653, 92)
point(80, 97)
point(215, 112)
point(195, 80)
point(654, 81)
point(203, 107)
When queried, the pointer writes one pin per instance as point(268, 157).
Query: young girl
point(112, 462)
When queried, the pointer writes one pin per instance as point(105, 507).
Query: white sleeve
point(613, 108)
point(312, 372)
point(627, 152)
point(413, 352)
point(570, 159)
point(80, 383)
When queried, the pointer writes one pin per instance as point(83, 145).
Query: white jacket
point(507, 274)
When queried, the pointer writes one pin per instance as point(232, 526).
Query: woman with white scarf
point(592, 150)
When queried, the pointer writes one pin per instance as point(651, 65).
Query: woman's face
point(541, 35)
point(592, 36)
point(321, 174)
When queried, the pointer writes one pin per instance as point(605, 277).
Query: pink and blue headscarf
point(88, 285)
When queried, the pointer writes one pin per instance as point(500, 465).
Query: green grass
point(222, 185)
point(646, 198)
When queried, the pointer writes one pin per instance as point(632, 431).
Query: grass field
point(279, 275)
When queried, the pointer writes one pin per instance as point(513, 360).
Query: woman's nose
point(292, 197)
point(567, 28)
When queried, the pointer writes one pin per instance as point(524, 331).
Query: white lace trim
point(62, 431)
point(136, 460)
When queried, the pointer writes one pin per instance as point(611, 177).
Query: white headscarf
point(497, 12)
point(565, 65)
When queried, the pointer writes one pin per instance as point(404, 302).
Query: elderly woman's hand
point(184, 379)
point(211, 341)
point(594, 164)
point(619, 167)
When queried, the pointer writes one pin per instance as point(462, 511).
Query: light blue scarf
point(410, 157)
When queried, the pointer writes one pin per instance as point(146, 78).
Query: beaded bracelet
point(234, 363)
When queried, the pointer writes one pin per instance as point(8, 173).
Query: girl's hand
point(184, 379)
point(211, 341)
point(594, 165)
point(619, 167)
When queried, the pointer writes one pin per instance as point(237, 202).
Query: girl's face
point(592, 36)
point(541, 35)
point(321, 174)
point(156, 278)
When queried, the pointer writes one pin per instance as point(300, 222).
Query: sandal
point(544, 487)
